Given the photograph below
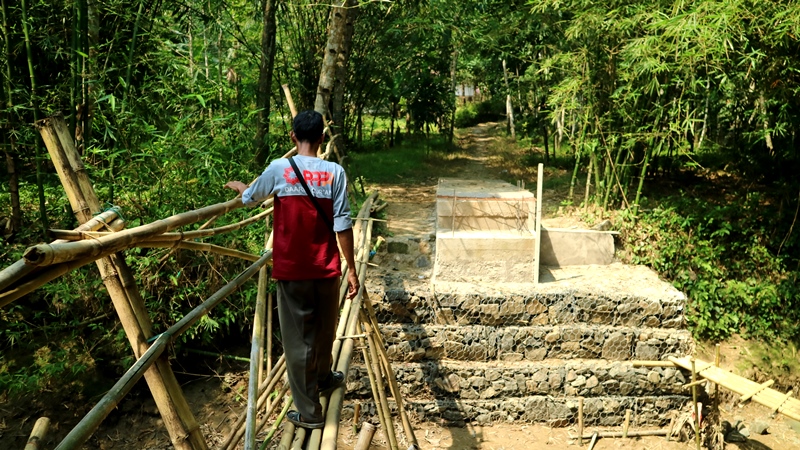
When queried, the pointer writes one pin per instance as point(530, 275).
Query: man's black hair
point(308, 126)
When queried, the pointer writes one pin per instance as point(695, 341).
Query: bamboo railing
point(87, 243)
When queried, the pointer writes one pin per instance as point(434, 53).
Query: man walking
point(311, 212)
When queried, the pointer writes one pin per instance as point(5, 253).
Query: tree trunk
point(341, 70)
point(337, 30)
point(265, 82)
point(39, 178)
point(13, 176)
point(509, 108)
point(453, 68)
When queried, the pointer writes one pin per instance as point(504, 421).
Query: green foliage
point(472, 114)
point(722, 257)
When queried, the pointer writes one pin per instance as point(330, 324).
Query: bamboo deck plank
point(772, 399)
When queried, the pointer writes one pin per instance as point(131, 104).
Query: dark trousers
point(308, 311)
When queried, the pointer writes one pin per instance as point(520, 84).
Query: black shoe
point(295, 418)
point(333, 381)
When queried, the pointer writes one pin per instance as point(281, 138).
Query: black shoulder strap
point(313, 199)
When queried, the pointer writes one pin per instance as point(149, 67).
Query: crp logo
point(312, 178)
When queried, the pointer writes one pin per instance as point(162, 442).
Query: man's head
point(308, 127)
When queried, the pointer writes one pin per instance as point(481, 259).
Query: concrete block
point(568, 247)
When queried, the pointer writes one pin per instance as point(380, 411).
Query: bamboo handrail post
point(395, 389)
point(381, 391)
point(695, 409)
point(256, 358)
point(580, 421)
point(38, 433)
point(84, 200)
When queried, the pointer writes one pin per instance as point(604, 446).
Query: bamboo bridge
point(101, 238)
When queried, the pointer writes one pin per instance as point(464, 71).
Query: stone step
point(482, 380)
point(414, 342)
point(558, 412)
point(413, 302)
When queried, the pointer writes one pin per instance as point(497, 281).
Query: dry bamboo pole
point(694, 408)
point(237, 431)
point(183, 429)
point(77, 235)
point(631, 433)
point(356, 414)
point(19, 269)
point(289, 99)
point(384, 357)
point(48, 254)
point(274, 428)
point(92, 420)
point(288, 436)
point(256, 360)
point(299, 438)
point(202, 247)
point(373, 386)
point(626, 424)
point(640, 363)
point(37, 434)
point(365, 437)
point(537, 250)
point(284, 390)
point(384, 403)
point(580, 421)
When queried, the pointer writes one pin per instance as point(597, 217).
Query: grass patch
point(418, 159)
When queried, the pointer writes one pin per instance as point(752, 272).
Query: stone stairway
point(475, 346)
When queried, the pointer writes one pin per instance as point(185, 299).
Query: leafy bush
point(472, 114)
point(723, 259)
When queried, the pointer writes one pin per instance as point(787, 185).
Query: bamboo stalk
point(278, 421)
point(388, 425)
point(19, 269)
point(631, 433)
point(384, 357)
point(91, 421)
point(637, 363)
point(284, 390)
point(694, 408)
point(202, 247)
point(356, 414)
point(77, 235)
point(266, 387)
point(38, 433)
point(256, 359)
point(288, 436)
point(538, 242)
point(626, 424)
point(580, 421)
point(183, 429)
point(84, 429)
point(373, 386)
point(299, 438)
point(365, 437)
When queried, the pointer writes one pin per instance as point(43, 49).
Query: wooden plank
point(775, 400)
point(761, 387)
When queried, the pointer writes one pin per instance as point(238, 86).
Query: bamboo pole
point(278, 421)
point(37, 434)
point(183, 429)
point(538, 242)
point(631, 433)
point(373, 387)
point(202, 247)
point(284, 390)
point(256, 360)
point(289, 99)
point(48, 254)
point(365, 437)
point(288, 436)
point(384, 357)
point(356, 414)
point(237, 431)
point(77, 235)
point(580, 421)
point(626, 424)
point(694, 407)
point(91, 421)
point(639, 363)
point(388, 426)
point(19, 269)
point(299, 438)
